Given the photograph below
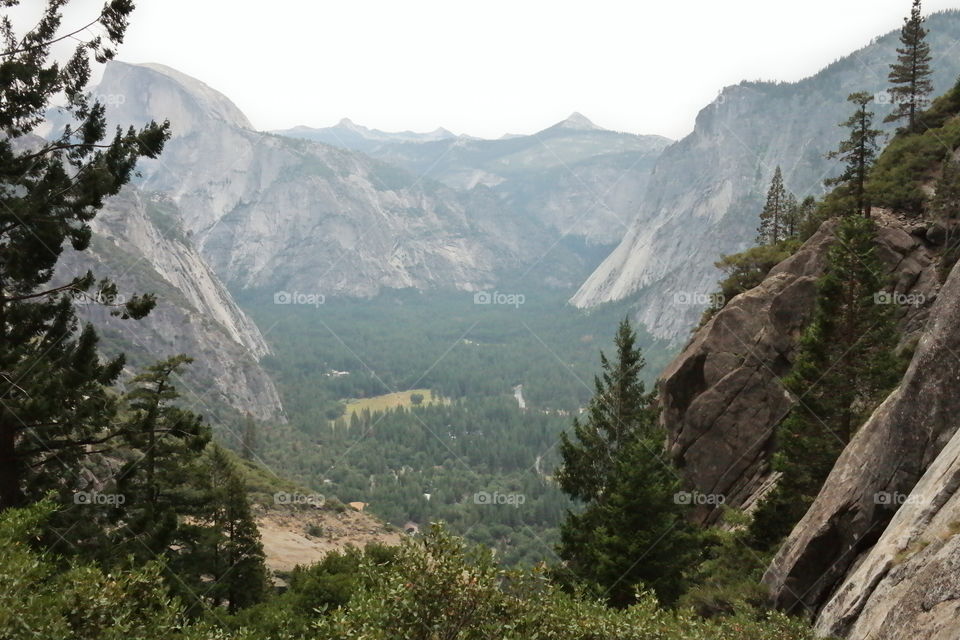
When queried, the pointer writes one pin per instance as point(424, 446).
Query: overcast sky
point(486, 68)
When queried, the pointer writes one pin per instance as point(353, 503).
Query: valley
point(418, 464)
point(338, 382)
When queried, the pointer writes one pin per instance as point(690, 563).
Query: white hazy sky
point(486, 68)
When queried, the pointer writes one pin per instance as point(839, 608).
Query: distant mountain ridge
point(349, 135)
point(276, 213)
point(573, 177)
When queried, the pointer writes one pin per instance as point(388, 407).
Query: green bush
point(43, 599)
point(912, 159)
point(438, 587)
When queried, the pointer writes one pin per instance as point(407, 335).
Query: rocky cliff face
point(138, 242)
point(706, 190)
point(270, 212)
point(722, 396)
point(876, 556)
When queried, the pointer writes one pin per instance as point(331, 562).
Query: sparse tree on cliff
point(772, 218)
point(845, 363)
point(910, 74)
point(859, 152)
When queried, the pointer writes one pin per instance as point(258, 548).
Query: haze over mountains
point(351, 211)
point(231, 354)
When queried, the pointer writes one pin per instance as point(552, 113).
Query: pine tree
point(771, 229)
point(791, 216)
point(632, 530)
point(233, 553)
point(845, 362)
point(619, 411)
point(168, 440)
point(54, 405)
point(859, 151)
point(910, 75)
point(639, 536)
point(249, 443)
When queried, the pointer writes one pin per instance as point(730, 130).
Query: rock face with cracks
point(722, 396)
point(706, 190)
point(876, 556)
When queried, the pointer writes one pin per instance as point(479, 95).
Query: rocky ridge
point(138, 243)
point(275, 213)
point(705, 190)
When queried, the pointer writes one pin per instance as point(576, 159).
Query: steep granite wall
point(722, 396)
point(876, 553)
point(706, 190)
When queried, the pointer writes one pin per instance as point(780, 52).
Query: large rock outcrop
point(908, 585)
point(876, 554)
point(706, 190)
point(722, 396)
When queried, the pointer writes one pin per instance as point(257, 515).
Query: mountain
point(574, 178)
point(138, 243)
point(706, 190)
point(347, 135)
point(279, 214)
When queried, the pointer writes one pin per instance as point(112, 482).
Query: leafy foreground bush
point(43, 600)
point(438, 588)
point(435, 588)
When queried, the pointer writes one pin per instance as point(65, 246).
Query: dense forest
point(428, 463)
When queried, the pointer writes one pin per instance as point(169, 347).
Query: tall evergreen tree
point(620, 411)
point(633, 530)
point(791, 216)
point(910, 74)
point(639, 536)
point(249, 443)
point(772, 218)
point(845, 362)
point(797, 215)
point(167, 441)
point(54, 406)
point(859, 152)
point(231, 549)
